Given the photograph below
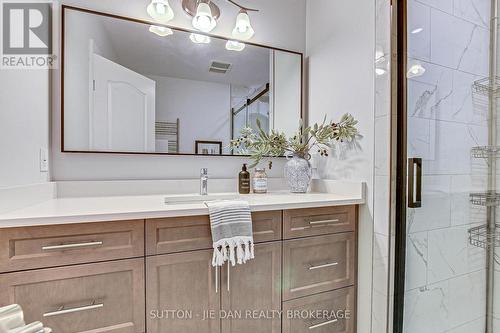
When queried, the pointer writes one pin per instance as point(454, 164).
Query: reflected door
point(122, 113)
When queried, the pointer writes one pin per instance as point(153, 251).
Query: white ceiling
point(177, 56)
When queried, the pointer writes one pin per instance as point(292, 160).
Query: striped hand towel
point(231, 224)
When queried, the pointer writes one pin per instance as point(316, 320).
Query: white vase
point(298, 173)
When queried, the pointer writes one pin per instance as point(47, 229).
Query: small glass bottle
point(244, 180)
point(260, 181)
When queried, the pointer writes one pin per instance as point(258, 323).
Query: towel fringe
point(234, 250)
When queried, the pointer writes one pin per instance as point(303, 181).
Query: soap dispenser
point(244, 180)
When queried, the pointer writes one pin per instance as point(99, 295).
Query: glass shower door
point(445, 275)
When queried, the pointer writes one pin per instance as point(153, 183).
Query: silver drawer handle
point(62, 310)
point(71, 246)
point(324, 222)
point(323, 266)
point(216, 279)
point(323, 324)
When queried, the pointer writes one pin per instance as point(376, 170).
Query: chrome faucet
point(204, 181)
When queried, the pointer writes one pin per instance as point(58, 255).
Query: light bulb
point(199, 39)
point(243, 29)
point(415, 69)
point(160, 11)
point(232, 45)
point(203, 20)
point(379, 54)
point(161, 31)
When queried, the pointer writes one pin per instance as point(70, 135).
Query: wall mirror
point(130, 87)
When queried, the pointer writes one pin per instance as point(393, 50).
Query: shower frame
point(486, 236)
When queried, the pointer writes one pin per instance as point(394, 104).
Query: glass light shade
point(243, 29)
point(232, 45)
point(203, 20)
point(160, 11)
point(415, 69)
point(199, 39)
point(379, 54)
point(161, 31)
point(380, 71)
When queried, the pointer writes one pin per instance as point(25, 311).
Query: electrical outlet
point(44, 160)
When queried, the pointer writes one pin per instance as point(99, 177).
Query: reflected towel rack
point(168, 131)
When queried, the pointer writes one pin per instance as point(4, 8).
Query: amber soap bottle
point(244, 181)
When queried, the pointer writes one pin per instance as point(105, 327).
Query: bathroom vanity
point(154, 274)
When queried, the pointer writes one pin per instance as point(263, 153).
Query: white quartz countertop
point(112, 208)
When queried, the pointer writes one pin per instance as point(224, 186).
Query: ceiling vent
point(219, 67)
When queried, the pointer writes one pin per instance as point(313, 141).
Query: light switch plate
point(44, 160)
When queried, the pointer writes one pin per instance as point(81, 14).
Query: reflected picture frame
point(202, 147)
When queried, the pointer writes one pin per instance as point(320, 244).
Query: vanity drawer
point(339, 315)
point(179, 234)
point(57, 245)
point(317, 264)
point(318, 221)
point(103, 297)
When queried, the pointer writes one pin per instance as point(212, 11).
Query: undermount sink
point(197, 198)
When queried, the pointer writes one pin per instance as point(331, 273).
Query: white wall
point(287, 83)
point(203, 110)
point(83, 29)
point(24, 125)
point(272, 28)
point(381, 295)
point(340, 51)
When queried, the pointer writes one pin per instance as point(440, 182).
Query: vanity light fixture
point(205, 14)
point(160, 11)
point(204, 20)
point(161, 31)
point(243, 29)
point(233, 45)
point(199, 39)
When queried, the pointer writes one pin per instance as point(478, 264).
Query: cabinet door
point(330, 312)
point(190, 233)
point(318, 264)
point(251, 293)
point(68, 244)
point(180, 289)
point(104, 297)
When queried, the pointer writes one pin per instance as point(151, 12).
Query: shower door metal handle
point(414, 182)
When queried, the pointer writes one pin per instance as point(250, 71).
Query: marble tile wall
point(380, 279)
point(496, 305)
point(445, 279)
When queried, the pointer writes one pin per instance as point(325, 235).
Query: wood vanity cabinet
point(178, 234)
point(340, 306)
point(103, 297)
point(181, 288)
point(156, 275)
point(317, 264)
point(250, 290)
point(67, 244)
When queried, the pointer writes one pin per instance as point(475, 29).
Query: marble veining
point(446, 306)
point(445, 282)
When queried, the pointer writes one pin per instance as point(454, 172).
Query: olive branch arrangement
point(259, 144)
